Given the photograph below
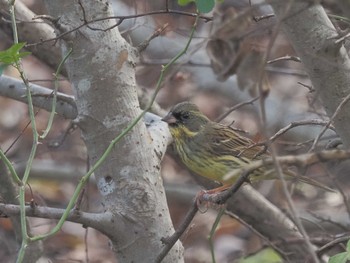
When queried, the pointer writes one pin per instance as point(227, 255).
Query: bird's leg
point(217, 189)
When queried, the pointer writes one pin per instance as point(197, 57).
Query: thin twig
point(341, 191)
point(329, 221)
point(58, 141)
point(20, 134)
point(284, 130)
point(170, 241)
point(54, 99)
point(302, 160)
point(144, 44)
point(259, 18)
point(120, 20)
point(212, 232)
point(293, 209)
point(342, 38)
point(292, 58)
point(337, 111)
point(256, 232)
point(23, 220)
point(237, 106)
point(77, 206)
point(86, 245)
point(298, 124)
point(332, 244)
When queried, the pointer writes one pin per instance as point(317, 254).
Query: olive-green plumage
point(212, 150)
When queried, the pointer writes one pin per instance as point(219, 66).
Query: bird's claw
point(208, 199)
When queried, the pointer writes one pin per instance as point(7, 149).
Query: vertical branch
point(54, 99)
point(22, 188)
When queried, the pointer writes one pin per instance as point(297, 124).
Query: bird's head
point(185, 119)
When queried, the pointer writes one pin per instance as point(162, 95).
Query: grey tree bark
point(101, 70)
point(326, 60)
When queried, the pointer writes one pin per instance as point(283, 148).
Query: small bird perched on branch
point(212, 150)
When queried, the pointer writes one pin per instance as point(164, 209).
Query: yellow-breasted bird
point(212, 149)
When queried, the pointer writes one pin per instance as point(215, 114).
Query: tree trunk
point(327, 63)
point(101, 70)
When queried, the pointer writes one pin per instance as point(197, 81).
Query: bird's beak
point(169, 118)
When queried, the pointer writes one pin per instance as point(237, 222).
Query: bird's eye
point(185, 116)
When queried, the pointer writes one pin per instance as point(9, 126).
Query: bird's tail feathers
point(290, 175)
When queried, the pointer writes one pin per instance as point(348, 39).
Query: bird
point(212, 150)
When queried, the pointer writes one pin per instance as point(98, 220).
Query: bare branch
point(86, 219)
point(144, 44)
point(239, 105)
point(297, 124)
point(170, 241)
point(120, 20)
point(301, 160)
point(335, 114)
point(331, 244)
point(42, 97)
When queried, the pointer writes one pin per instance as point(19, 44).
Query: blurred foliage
point(267, 255)
point(11, 56)
point(341, 257)
point(203, 6)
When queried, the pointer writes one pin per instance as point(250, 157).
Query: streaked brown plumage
point(212, 150)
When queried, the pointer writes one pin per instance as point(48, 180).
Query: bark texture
point(101, 70)
point(327, 62)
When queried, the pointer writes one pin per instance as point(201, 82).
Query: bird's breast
point(200, 161)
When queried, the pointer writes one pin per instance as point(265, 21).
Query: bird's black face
point(180, 117)
point(187, 115)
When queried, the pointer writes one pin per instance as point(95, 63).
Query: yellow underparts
point(211, 167)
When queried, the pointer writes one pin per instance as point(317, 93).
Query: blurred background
point(220, 70)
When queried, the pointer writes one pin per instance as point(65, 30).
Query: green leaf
point(205, 6)
point(184, 2)
point(6, 58)
point(339, 258)
point(13, 54)
point(23, 54)
point(267, 255)
point(15, 48)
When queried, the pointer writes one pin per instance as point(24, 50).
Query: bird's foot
point(209, 198)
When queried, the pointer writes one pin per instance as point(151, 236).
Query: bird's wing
point(223, 140)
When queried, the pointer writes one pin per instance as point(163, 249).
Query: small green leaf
point(205, 6)
point(12, 54)
point(339, 258)
point(6, 58)
point(15, 48)
point(23, 54)
point(184, 2)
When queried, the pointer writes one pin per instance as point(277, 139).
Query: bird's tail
point(310, 181)
point(290, 175)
